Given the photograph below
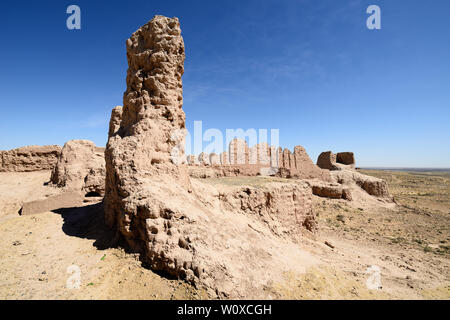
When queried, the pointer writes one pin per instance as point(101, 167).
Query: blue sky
point(309, 68)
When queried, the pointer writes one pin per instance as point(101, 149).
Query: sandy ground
point(40, 255)
point(38, 251)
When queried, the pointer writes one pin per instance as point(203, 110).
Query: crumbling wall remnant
point(80, 168)
point(31, 158)
point(141, 175)
point(340, 161)
point(261, 159)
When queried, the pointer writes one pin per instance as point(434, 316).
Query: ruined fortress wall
point(340, 161)
point(261, 159)
point(30, 158)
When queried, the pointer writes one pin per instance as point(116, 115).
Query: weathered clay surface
point(244, 225)
point(238, 152)
point(342, 166)
point(330, 190)
point(340, 161)
point(373, 186)
point(192, 160)
point(327, 160)
point(214, 159)
point(81, 168)
point(203, 172)
point(224, 159)
point(31, 158)
point(286, 208)
point(115, 121)
point(141, 175)
point(204, 159)
point(302, 167)
point(347, 158)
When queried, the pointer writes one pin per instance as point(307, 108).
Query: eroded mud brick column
point(141, 169)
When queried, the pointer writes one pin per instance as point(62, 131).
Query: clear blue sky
point(309, 68)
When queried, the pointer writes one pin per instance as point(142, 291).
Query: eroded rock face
point(80, 168)
point(31, 158)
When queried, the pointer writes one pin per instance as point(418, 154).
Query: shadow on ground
point(88, 222)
